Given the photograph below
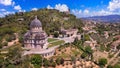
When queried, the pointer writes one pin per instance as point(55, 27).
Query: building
point(69, 32)
point(36, 40)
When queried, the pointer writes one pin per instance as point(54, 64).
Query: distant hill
point(108, 18)
point(51, 19)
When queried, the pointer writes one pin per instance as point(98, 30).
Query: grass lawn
point(56, 43)
point(51, 40)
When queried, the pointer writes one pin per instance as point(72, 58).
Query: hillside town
point(54, 38)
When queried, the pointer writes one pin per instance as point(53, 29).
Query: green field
point(56, 43)
point(51, 40)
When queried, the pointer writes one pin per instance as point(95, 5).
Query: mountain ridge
point(107, 18)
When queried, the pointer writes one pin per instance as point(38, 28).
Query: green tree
point(86, 37)
point(21, 39)
point(75, 41)
point(56, 34)
point(36, 60)
point(116, 66)
point(46, 62)
point(9, 38)
point(80, 30)
point(1, 61)
point(102, 61)
point(59, 61)
point(109, 66)
point(88, 50)
point(73, 59)
point(83, 55)
point(14, 55)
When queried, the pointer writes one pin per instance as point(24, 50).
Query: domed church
point(35, 38)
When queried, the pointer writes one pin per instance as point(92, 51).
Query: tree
point(1, 61)
point(21, 39)
point(14, 55)
point(9, 38)
point(4, 43)
point(75, 41)
point(46, 62)
point(36, 60)
point(88, 50)
point(102, 47)
point(118, 47)
point(80, 30)
point(83, 55)
point(116, 66)
point(73, 59)
point(86, 37)
point(59, 61)
point(53, 64)
point(102, 61)
point(11, 66)
point(56, 34)
point(26, 62)
point(109, 66)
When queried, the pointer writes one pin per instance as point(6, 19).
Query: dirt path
point(112, 59)
point(12, 42)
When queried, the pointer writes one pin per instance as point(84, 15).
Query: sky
point(80, 8)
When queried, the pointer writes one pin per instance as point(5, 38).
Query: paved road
point(41, 51)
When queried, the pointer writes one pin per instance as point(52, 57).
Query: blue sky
point(80, 8)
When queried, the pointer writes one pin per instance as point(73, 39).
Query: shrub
point(110, 56)
point(4, 43)
point(83, 55)
point(56, 34)
point(102, 61)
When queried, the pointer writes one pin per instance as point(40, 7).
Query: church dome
point(36, 23)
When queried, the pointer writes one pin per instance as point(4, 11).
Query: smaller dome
point(36, 23)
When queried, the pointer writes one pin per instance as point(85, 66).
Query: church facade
point(36, 40)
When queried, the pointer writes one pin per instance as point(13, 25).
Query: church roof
point(40, 35)
point(36, 23)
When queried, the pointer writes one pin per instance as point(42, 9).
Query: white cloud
point(86, 11)
point(49, 7)
point(81, 13)
point(114, 5)
point(2, 10)
point(22, 10)
point(17, 7)
point(8, 12)
point(2, 14)
point(34, 9)
point(77, 11)
point(103, 12)
point(62, 7)
point(7, 2)
point(112, 8)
